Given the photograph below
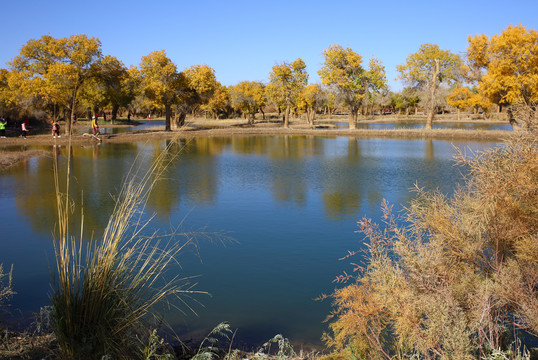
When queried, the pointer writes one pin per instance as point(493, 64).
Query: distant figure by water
point(24, 127)
point(95, 126)
point(3, 124)
point(55, 129)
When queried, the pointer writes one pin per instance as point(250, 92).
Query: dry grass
point(16, 346)
point(106, 290)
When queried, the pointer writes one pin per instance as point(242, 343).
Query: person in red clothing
point(55, 129)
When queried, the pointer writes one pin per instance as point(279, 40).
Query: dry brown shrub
point(460, 279)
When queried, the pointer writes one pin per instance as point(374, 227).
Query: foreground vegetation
point(460, 280)
point(106, 291)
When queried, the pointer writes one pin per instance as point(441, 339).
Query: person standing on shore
point(56, 129)
point(24, 127)
point(3, 123)
point(95, 126)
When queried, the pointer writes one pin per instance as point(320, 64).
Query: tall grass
point(106, 289)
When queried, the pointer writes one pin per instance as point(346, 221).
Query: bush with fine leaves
point(460, 278)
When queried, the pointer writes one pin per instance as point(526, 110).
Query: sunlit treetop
point(510, 64)
point(419, 67)
point(202, 79)
point(342, 68)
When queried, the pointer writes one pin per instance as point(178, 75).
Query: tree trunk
point(287, 117)
point(459, 114)
point(115, 109)
point(309, 119)
point(512, 120)
point(68, 122)
point(263, 114)
point(429, 120)
point(179, 120)
point(432, 89)
point(353, 115)
point(167, 109)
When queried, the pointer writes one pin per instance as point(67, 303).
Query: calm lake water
point(291, 203)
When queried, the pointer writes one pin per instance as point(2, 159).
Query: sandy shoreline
point(234, 127)
point(258, 129)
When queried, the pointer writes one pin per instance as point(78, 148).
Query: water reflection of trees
point(342, 171)
point(96, 173)
point(343, 182)
point(191, 174)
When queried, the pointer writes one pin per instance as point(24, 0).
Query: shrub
point(458, 278)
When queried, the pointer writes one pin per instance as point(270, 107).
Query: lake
point(290, 203)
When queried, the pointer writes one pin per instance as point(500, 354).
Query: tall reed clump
point(458, 279)
point(104, 290)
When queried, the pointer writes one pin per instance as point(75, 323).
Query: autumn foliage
point(506, 67)
point(52, 79)
point(460, 279)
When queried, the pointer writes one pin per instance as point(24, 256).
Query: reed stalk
point(106, 289)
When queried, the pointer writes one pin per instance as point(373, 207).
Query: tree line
point(61, 78)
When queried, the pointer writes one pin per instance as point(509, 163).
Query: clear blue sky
point(242, 40)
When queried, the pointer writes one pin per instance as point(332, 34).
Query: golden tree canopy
point(421, 66)
point(202, 79)
point(289, 79)
point(57, 67)
point(160, 81)
point(510, 63)
point(343, 69)
point(248, 97)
